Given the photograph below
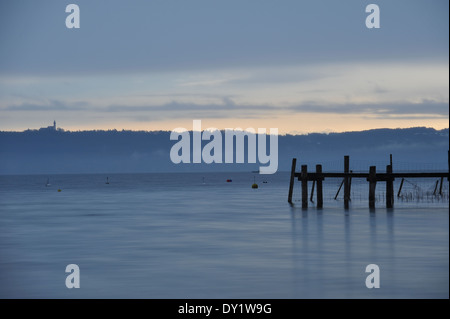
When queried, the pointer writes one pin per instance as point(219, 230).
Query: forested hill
point(47, 151)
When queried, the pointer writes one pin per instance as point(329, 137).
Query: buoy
point(254, 183)
point(59, 190)
point(229, 180)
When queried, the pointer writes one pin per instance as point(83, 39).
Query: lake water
point(197, 236)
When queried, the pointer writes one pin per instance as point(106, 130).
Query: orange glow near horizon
point(298, 124)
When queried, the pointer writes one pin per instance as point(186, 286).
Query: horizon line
point(61, 130)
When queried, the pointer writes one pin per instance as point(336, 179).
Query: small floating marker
point(229, 180)
point(254, 183)
point(107, 180)
point(59, 190)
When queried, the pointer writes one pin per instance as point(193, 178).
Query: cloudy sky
point(299, 66)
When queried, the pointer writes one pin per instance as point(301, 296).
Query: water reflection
point(320, 247)
point(390, 230)
point(332, 247)
point(373, 236)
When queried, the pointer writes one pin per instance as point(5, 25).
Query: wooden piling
point(312, 192)
point(347, 176)
point(346, 181)
point(389, 187)
point(339, 189)
point(435, 188)
point(350, 186)
point(304, 178)
point(372, 185)
point(400, 188)
point(319, 186)
point(291, 183)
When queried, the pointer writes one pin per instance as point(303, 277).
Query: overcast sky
point(299, 66)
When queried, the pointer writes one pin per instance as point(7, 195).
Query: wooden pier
point(347, 175)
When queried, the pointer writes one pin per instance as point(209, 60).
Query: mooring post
point(372, 185)
point(389, 187)
point(346, 181)
point(304, 186)
point(350, 186)
point(291, 183)
point(319, 186)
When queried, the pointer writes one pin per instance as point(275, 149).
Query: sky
point(299, 66)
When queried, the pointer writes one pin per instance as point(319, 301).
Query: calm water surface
point(197, 236)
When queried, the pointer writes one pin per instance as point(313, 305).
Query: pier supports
point(372, 179)
point(291, 183)
point(319, 186)
point(389, 187)
point(346, 181)
point(304, 178)
point(400, 188)
point(312, 191)
point(339, 189)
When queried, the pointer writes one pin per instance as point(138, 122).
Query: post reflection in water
point(331, 249)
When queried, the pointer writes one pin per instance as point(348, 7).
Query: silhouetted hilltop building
point(51, 128)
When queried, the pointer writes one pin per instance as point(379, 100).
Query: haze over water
point(194, 235)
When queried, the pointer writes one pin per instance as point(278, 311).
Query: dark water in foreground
point(196, 236)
